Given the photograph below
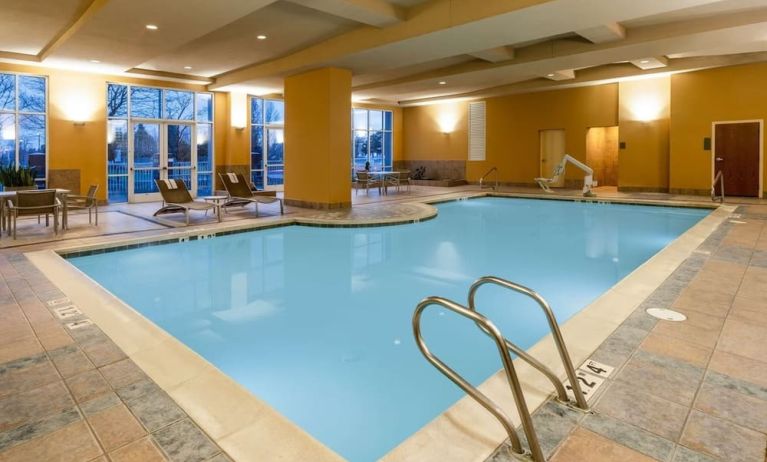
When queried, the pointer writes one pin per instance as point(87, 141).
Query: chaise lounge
point(241, 195)
point(176, 199)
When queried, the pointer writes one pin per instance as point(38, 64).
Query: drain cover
point(666, 315)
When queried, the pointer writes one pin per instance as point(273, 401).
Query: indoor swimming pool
point(317, 321)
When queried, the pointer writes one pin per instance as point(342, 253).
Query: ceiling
point(400, 51)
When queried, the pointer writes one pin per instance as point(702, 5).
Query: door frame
point(761, 148)
point(540, 154)
point(163, 167)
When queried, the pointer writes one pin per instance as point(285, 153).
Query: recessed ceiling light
point(644, 61)
point(95, 61)
point(261, 37)
point(152, 27)
point(189, 68)
point(442, 82)
point(549, 75)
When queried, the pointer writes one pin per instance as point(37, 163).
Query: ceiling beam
point(495, 55)
point(610, 73)
point(650, 63)
point(605, 33)
point(549, 57)
point(376, 13)
point(67, 32)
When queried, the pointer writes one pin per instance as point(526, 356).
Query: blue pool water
point(317, 321)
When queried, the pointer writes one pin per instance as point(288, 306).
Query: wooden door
point(736, 154)
point(552, 145)
point(602, 154)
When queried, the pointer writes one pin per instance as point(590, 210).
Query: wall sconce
point(79, 123)
point(447, 123)
point(239, 110)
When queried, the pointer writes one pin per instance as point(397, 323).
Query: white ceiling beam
point(72, 28)
point(495, 55)
point(650, 63)
point(377, 13)
point(605, 33)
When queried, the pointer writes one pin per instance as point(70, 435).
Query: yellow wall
point(82, 96)
point(318, 138)
point(644, 128)
point(512, 130)
point(697, 100)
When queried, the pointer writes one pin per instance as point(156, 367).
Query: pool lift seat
point(505, 348)
point(559, 170)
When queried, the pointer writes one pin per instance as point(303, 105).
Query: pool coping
point(249, 429)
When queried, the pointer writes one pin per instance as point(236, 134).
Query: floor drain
point(666, 315)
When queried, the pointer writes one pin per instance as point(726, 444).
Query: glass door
point(146, 162)
point(160, 151)
point(178, 150)
point(275, 159)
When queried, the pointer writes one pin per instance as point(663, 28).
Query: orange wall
point(512, 130)
point(700, 98)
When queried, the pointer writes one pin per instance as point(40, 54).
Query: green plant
point(14, 177)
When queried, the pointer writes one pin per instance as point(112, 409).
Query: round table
point(216, 200)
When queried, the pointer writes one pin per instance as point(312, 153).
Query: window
point(372, 139)
point(267, 142)
point(145, 109)
point(23, 123)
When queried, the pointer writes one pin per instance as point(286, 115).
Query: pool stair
point(505, 349)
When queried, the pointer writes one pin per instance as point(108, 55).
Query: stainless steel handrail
point(580, 399)
point(482, 179)
point(719, 177)
point(511, 375)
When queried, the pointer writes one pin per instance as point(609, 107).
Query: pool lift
point(559, 170)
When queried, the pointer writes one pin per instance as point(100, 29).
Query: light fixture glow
point(261, 37)
point(8, 132)
point(152, 27)
point(239, 110)
point(95, 61)
point(442, 82)
point(447, 122)
point(644, 61)
point(549, 75)
point(189, 68)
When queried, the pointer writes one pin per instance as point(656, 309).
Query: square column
point(318, 106)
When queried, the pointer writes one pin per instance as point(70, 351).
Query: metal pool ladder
point(504, 347)
point(718, 178)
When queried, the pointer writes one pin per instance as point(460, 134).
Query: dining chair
point(31, 203)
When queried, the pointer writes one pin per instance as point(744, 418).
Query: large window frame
point(372, 139)
point(203, 129)
point(17, 114)
point(267, 135)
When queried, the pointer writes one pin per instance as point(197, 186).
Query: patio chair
point(366, 181)
point(34, 203)
point(176, 199)
point(398, 179)
point(87, 201)
point(241, 194)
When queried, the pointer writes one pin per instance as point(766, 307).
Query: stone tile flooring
point(692, 391)
point(71, 394)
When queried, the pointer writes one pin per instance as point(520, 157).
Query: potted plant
point(15, 178)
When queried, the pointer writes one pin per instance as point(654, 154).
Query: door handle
point(719, 159)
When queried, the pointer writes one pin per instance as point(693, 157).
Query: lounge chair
point(33, 203)
point(176, 199)
point(398, 179)
point(240, 193)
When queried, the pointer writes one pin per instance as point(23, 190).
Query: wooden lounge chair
point(176, 199)
point(240, 193)
point(33, 203)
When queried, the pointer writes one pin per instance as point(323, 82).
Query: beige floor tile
point(585, 446)
point(26, 346)
point(705, 338)
point(142, 450)
point(740, 367)
point(116, 427)
point(73, 443)
point(744, 339)
point(749, 310)
point(87, 385)
point(676, 348)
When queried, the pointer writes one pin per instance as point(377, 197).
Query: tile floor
point(693, 391)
